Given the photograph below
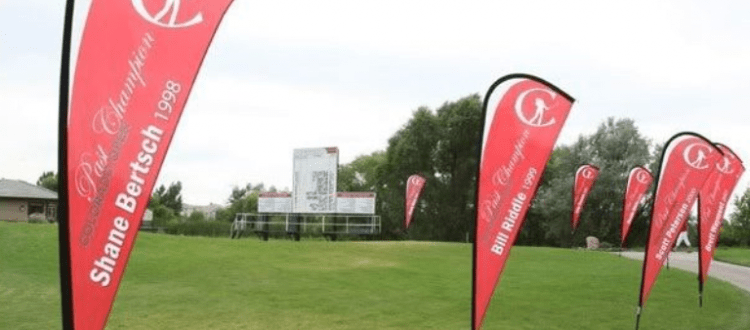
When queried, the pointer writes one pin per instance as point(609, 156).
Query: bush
point(203, 228)
point(37, 218)
point(606, 245)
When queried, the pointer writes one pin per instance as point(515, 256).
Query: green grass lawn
point(737, 256)
point(214, 283)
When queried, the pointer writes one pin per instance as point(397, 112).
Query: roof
point(23, 189)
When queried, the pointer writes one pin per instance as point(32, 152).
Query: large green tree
point(241, 200)
point(616, 147)
point(48, 180)
point(442, 146)
point(166, 203)
point(361, 174)
point(170, 197)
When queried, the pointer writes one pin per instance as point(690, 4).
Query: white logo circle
point(725, 166)
point(696, 160)
point(641, 176)
point(171, 7)
point(538, 119)
point(588, 173)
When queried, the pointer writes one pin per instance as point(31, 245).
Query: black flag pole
point(638, 317)
point(700, 255)
point(66, 287)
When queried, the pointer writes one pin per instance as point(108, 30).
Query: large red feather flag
point(137, 63)
point(687, 160)
point(522, 118)
point(583, 182)
point(414, 186)
point(639, 180)
point(712, 202)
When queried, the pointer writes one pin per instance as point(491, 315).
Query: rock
point(592, 243)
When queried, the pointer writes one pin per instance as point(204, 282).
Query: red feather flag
point(523, 116)
point(414, 186)
point(584, 180)
point(687, 161)
point(714, 196)
point(137, 63)
point(638, 182)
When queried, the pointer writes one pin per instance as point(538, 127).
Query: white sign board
point(269, 202)
point(355, 202)
point(315, 172)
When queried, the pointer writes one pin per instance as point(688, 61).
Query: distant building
point(20, 201)
point(208, 210)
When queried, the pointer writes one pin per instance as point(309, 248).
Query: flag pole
point(637, 317)
point(66, 287)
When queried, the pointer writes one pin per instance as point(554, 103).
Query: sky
point(283, 74)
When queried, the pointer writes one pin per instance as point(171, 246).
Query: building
point(21, 201)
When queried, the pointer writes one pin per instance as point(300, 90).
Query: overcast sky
point(285, 74)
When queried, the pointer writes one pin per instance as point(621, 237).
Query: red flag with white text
point(583, 182)
point(687, 160)
point(137, 63)
point(414, 186)
point(714, 196)
point(639, 180)
point(523, 116)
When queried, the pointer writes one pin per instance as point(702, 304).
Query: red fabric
point(714, 196)
point(687, 161)
point(639, 181)
point(525, 125)
point(584, 180)
point(137, 63)
point(414, 186)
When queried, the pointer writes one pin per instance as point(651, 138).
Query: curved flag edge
point(573, 193)
point(701, 278)
point(657, 179)
point(480, 142)
point(624, 236)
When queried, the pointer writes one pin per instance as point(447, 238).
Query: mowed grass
point(213, 283)
point(737, 256)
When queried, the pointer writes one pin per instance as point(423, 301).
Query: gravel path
point(737, 275)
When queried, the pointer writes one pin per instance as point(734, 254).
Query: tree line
point(442, 145)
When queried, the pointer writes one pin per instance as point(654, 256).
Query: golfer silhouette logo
point(541, 108)
point(696, 160)
point(725, 166)
point(171, 7)
point(416, 180)
point(588, 173)
point(641, 177)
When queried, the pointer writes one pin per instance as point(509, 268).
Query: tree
point(163, 215)
point(738, 228)
point(48, 180)
point(361, 174)
point(442, 146)
point(241, 200)
point(169, 197)
point(166, 203)
point(616, 147)
point(196, 216)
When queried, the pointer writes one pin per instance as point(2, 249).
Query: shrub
point(202, 228)
point(37, 218)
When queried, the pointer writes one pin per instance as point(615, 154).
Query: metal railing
point(328, 225)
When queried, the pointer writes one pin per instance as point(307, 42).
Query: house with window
point(21, 201)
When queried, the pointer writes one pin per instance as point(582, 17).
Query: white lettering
point(104, 267)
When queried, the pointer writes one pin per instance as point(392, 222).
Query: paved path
point(737, 275)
